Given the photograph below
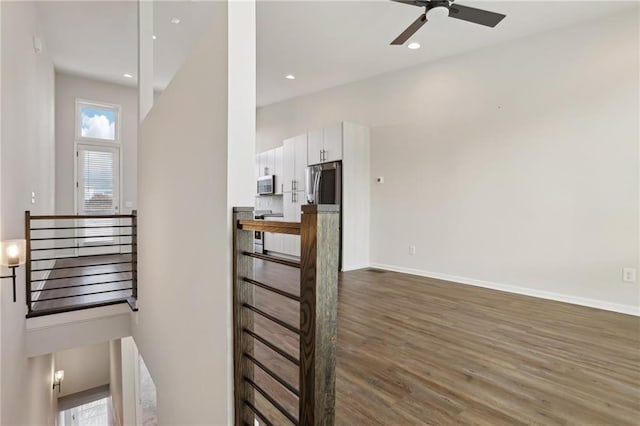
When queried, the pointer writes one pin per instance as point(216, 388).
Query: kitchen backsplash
point(273, 203)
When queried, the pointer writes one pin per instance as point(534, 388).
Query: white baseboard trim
point(558, 297)
point(347, 268)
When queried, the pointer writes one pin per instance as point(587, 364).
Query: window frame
point(80, 103)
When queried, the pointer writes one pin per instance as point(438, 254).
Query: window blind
point(97, 182)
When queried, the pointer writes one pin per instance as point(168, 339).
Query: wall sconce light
point(58, 377)
point(12, 255)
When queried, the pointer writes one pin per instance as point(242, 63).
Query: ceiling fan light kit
point(440, 9)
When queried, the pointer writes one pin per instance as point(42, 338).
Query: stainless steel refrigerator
point(324, 186)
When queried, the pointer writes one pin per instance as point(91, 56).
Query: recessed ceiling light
point(154, 37)
point(414, 46)
point(127, 75)
point(290, 77)
point(175, 20)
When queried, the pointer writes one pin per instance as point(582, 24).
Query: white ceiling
point(328, 43)
point(98, 39)
point(323, 43)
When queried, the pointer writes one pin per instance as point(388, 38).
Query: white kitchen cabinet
point(261, 162)
point(274, 242)
point(270, 160)
point(315, 146)
point(324, 145)
point(278, 169)
point(294, 163)
point(291, 208)
point(332, 139)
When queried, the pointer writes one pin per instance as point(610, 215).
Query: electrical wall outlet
point(629, 275)
point(412, 250)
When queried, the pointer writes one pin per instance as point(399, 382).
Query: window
point(95, 413)
point(97, 121)
point(97, 185)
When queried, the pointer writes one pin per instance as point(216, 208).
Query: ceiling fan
point(446, 7)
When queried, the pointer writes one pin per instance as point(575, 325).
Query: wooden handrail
point(319, 237)
point(292, 228)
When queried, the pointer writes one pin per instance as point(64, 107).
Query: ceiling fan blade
point(412, 2)
point(477, 16)
point(406, 34)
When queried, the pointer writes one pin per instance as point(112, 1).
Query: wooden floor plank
point(415, 351)
point(57, 285)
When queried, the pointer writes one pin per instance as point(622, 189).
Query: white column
point(145, 58)
point(242, 103)
point(241, 132)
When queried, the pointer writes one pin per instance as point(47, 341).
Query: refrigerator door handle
point(316, 188)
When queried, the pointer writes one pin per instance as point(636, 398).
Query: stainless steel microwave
point(266, 185)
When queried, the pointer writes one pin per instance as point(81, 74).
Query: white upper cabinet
point(278, 169)
point(315, 147)
point(294, 163)
point(325, 145)
point(269, 168)
point(332, 143)
point(288, 161)
point(262, 163)
point(301, 163)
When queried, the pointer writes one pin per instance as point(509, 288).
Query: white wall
point(183, 330)
point(514, 166)
point(70, 87)
point(84, 368)
point(27, 164)
point(55, 333)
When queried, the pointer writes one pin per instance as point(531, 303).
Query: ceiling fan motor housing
point(438, 8)
point(437, 3)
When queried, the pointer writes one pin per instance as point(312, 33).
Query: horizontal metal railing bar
point(272, 289)
point(84, 236)
point(273, 402)
point(272, 318)
point(82, 216)
point(81, 276)
point(273, 347)
point(83, 294)
point(80, 266)
point(78, 247)
point(80, 227)
point(271, 226)
point(82, 285)
point(81, 306)
point(277, 378)
point(273, 259)
point(257, 412)
point(84, 255)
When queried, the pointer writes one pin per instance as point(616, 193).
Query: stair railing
point(319, 233)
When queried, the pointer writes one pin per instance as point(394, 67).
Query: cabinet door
point(288, 165)
point(300, 162)
point(274, 242)
point(278, 169)
point(298, 201)
point(270, 162)
point(291, 209)
point(314, 147)
point(262, 161)
point(269, 241)
point(332, 139)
